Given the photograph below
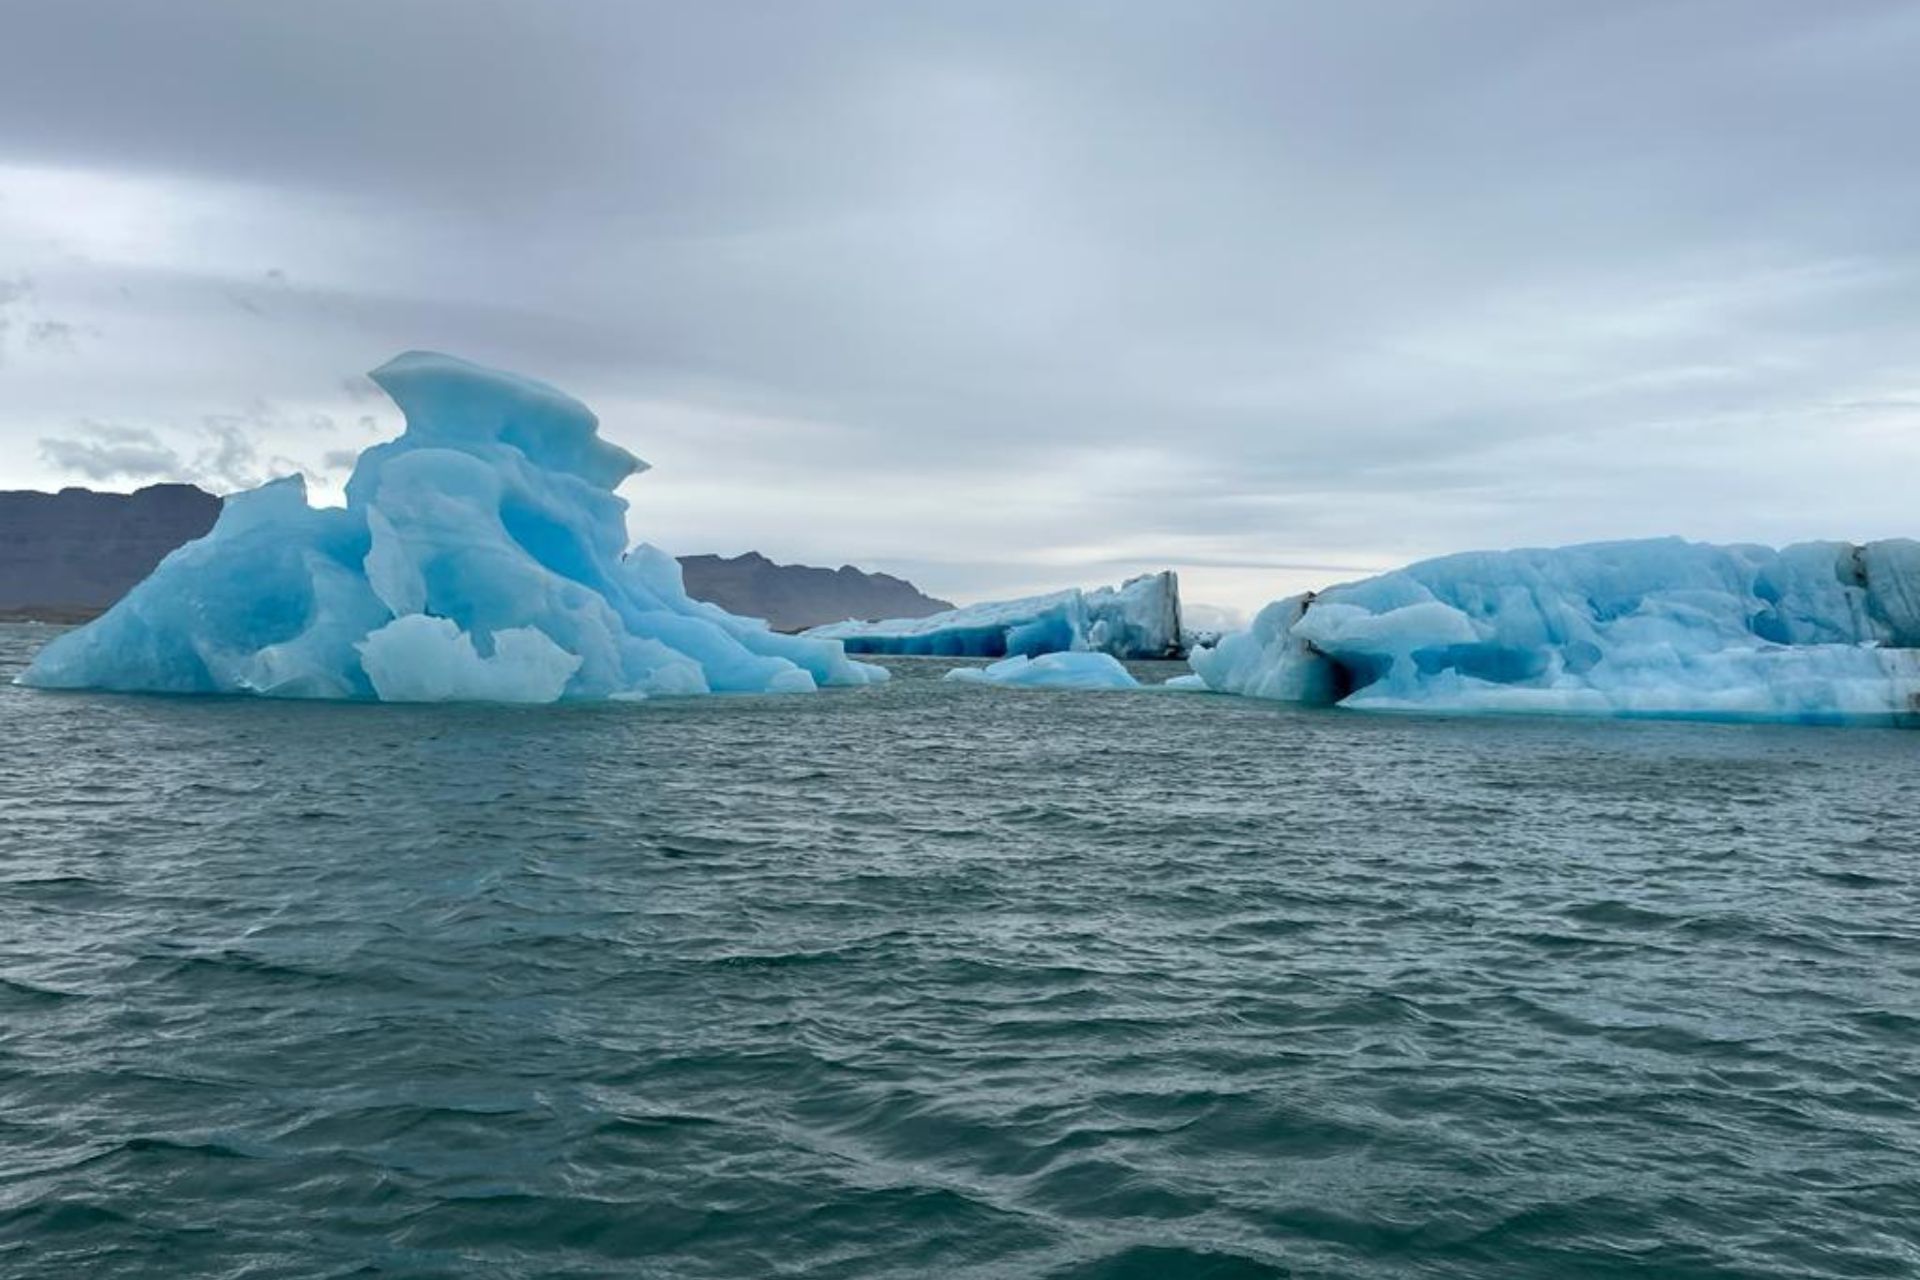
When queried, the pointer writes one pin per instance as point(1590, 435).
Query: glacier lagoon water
point(933, 979)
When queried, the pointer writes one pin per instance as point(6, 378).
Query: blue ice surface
point(481, 556)
point(1140, 618)
point(1819, 632)
point(1081, 670)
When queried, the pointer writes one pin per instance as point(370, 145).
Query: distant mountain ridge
point(792, 597)
point(67, 556)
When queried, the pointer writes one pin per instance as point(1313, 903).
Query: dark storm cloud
point(1263, 285)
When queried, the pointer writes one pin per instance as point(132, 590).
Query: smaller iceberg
point(479, 558)
point(1080, 670)
point(1819, 632)
point(1136, 620)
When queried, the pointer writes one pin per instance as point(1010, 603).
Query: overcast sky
point(1002, 297)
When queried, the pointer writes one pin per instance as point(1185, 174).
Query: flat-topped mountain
point(795, 596)
point(67, 556)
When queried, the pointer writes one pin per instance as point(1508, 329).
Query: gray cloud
point(108, 452)
point(1246, 287)
point(222, 453)
point(51, 333)
point(231, 459)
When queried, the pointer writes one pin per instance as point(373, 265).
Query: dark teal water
point(932, 980)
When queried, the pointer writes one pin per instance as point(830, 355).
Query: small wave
point(1613, 911)
point(1171, 1262)
point(33, 993)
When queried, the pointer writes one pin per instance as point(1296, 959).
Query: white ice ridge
point(1138, 619)
point(479, 557)
point(1820, 632)
point(1078, 670)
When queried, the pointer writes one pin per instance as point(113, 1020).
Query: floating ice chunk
point(1815, 632)
point(1138, 619)
point(424, 659)
point(1051, 671)
point(1188, 683)
point(479, 556)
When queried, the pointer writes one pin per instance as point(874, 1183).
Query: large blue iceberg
point(1140, 618)
point(479, 557)
point(1819, 632)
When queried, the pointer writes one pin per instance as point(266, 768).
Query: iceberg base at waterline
point(1819, 632)
point(479, 557)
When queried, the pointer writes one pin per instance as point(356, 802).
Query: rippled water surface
point(933, 980)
